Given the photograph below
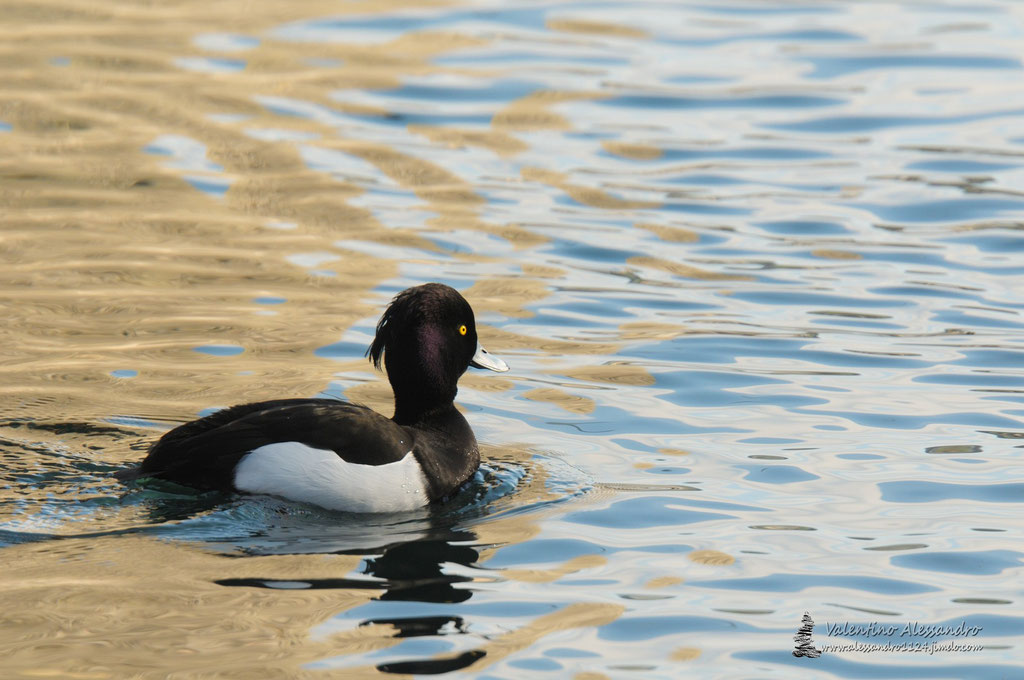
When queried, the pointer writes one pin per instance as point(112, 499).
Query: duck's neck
point(426, 397)
point(424, 413)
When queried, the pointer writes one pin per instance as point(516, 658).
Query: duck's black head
point(427, 339)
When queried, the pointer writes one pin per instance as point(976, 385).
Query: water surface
point(757, 269)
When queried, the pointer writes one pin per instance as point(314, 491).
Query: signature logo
point(804, 644)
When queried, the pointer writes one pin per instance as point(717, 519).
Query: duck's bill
point(483, 359)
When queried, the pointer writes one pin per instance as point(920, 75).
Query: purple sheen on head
point(431, 341)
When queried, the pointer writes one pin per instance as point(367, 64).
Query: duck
point(341, 455)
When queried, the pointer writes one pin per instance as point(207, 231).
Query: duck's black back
point(203, 453)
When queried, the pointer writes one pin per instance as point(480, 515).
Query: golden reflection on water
point(112, 246)
point(113, 260)
point(144, 606)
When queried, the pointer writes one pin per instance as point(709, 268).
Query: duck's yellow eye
point(463, 330)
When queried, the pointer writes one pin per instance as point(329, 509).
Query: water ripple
point(755, 266)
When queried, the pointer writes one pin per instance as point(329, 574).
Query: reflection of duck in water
point(412, 571)
point(344, 456)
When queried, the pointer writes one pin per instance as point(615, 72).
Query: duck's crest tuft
point(407, 309)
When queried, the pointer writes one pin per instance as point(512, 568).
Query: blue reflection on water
point(758, 102)
point(834, 67)
point(647, 627)
point(872, 123)
point(963, 166)
point(965, 562)
point(220, 350)
point(635, 513)
point(776, 474)
point(791, 583)
point(929, 492)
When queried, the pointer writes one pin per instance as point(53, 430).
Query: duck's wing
point(204, 453)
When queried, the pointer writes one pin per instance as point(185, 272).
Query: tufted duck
point(344, 456)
